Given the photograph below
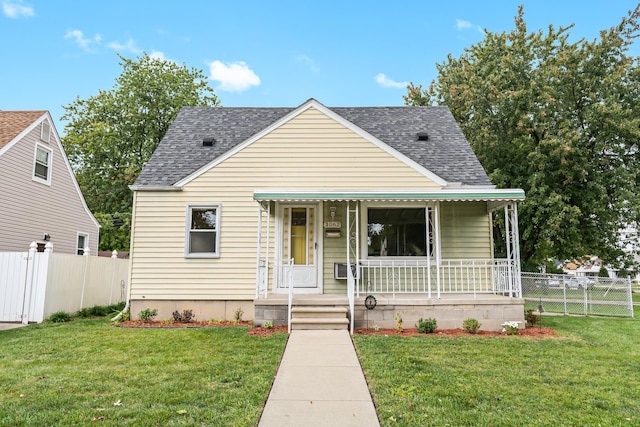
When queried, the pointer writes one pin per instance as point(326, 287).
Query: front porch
point(450, 310)
point(425, 254)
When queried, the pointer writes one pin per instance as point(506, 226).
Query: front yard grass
point(87, 370)
point(588, 375)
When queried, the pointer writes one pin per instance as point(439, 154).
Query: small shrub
point(398, 318)
point(510, 328)
point(60, 317)
point(185, 317)
point(237, 315)
point(376, 328)
point(148, 314)
point(471, 325)
point(84, 313)
point(268, 324)
point(531, 318)
point(426, 326)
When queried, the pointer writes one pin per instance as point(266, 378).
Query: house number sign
point(332, 224)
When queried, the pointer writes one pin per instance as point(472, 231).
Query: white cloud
point(158, 55)
point(462, 25)
point(385, 81)
point(308, 61)
point(130, 46)
point(81, 40)
point(16, 9)
point(233, 77)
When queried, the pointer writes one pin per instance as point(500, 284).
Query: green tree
point(110, 136)
point(558, 119)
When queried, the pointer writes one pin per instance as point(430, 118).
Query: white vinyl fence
point(33, 285)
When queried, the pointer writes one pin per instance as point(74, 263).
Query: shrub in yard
point(185, 317)
point(531, 318)
point(148, 314)
point(237, 315)
point(398, 319)
point(426, 326)
point(60, 317)
point(511, 327)
point(471, 325)
point(268, 324)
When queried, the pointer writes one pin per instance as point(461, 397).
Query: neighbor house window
point(203, 234)
point(42, 165)
point(46, 132)
point(398, 232)
point(83, 240)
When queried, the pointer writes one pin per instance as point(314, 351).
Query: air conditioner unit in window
point(340, 271)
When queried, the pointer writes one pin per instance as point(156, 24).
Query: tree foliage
point(560, 120)
point(110, 136)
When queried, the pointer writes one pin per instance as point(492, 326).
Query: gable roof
point(445, 154)
point(12, 123)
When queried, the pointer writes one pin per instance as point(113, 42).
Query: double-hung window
point(83, 240)
point(399, 232)
point(203, 231)
point(42, 164)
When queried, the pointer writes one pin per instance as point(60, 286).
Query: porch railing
point(468, 276)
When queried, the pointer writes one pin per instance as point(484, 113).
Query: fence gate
point(14, 285)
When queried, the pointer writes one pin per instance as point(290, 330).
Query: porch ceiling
point(496, 196)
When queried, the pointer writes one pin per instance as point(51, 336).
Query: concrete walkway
point(319, 383)
point(6, 326)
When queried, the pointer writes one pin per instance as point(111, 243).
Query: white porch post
point(266, 258)
point(516, 250)
point(428, 211)
point(512, 237)
point(507, 236)
point(258, 251)
point(436, 215)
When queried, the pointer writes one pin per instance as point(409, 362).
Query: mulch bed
point(529, 332)
point(167, 324)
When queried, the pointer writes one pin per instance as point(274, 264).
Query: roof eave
point(154, 188)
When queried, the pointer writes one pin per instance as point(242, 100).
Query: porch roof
point(497, 197)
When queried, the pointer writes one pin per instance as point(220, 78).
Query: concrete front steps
point(319, 317)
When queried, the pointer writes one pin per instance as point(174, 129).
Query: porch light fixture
point(46, 237)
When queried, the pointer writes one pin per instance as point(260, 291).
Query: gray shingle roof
point(446, 153)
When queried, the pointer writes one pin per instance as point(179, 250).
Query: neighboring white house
point(40, 199)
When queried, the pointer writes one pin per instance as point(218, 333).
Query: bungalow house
point(40, 200)
point(322, 217)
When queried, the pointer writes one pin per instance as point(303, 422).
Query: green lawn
point(75, 373)
point(586, 376)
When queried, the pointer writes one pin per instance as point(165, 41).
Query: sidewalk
point(6, 326)
point(319, 383)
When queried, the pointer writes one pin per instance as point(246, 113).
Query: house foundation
point(450, 311)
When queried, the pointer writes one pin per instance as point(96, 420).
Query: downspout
point(128, 297)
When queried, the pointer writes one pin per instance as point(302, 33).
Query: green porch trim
point(502, 195)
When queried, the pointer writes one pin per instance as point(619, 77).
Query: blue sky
point(260, 53)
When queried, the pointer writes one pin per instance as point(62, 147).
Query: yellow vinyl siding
point(335, 250)
point(310, 152)
point(465, 230)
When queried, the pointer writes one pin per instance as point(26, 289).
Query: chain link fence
point(561, 293)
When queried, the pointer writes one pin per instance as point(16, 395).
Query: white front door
point(299, 244)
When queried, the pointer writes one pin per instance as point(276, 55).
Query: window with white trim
point(83, 240)
point(45, 135)
point(203, 235)
point(42, 164)
point(398, 232)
